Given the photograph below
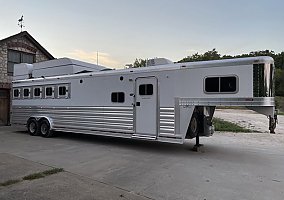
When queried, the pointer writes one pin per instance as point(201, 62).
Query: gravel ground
point(249, 119)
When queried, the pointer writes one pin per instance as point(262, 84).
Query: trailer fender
point(41, 117)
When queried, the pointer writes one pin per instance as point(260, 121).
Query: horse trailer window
point(228, 84)
point(212, 84)
point(37, 92)
point(62, 90)
point(16, 93)
point(48, 91)
point(26, 92)
point(117, 97)
point(146, 89)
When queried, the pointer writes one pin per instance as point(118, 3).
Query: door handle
point(137, 103)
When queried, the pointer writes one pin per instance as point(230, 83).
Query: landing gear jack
point(272, 123)
point(197, 145)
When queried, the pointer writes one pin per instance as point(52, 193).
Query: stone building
point(19, 48)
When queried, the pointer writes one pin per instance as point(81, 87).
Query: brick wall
point(19, 44)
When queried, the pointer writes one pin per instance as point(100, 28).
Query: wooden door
point(4, 107)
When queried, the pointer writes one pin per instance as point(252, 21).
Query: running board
point(144, 137)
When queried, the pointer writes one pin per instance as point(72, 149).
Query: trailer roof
point(174, 66)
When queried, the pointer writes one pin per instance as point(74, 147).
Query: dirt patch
point(249, 119)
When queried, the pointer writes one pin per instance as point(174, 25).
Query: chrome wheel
point(44, 129)
point(32, 126)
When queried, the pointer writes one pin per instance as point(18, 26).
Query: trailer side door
point(146, 106)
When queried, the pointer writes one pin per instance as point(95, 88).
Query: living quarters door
point(146, 106)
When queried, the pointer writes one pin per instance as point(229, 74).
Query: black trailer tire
point(32, 126)
point(194, 126)
point(44, 128)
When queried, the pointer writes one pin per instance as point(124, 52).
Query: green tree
point(278, 61)
point(209, 55)
point(279, 82)
point(139, 63)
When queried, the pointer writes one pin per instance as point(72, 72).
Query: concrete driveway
point(230, 165)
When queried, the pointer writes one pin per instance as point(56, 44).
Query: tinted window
point(212, 84)
point(26, 92)
point(48, 91)
point(228, 84)
point(117, 97)
point(221, 84)
point(16, 93)
point(62, 90)
point(146, 89)
point(37, 92)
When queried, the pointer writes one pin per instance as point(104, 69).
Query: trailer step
point(145, 137)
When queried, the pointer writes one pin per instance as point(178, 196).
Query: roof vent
point(158, 61)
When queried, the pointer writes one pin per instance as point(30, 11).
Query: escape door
point(146, 106)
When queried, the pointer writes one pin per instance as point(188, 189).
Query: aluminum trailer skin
point(167, 102)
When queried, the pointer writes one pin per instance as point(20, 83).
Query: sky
point(123, 30)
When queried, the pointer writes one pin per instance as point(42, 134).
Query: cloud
point(104, 58)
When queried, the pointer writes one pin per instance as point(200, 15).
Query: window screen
point(37, 92)
point(48, 91)
point(146, 89)
point(117, 97)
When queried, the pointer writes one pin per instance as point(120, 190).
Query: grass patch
point(222, 125)
point(43, 174)
point(33, 176)
point(279, 101)
point(53, 171)
point(10, 182)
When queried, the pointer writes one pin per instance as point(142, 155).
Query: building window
point(117, 97)
point(226, 84)
point(146, 89)
point(16, 57)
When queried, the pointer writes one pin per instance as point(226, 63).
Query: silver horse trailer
point(167, 102)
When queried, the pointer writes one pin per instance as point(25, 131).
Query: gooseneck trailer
point(165, 101)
